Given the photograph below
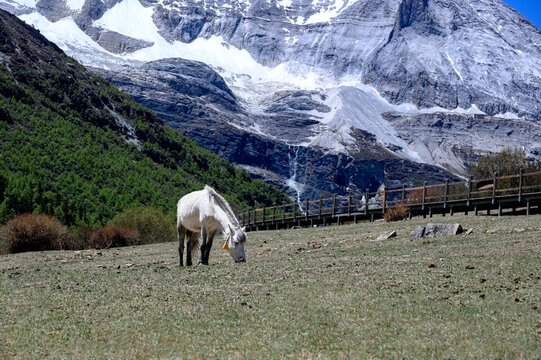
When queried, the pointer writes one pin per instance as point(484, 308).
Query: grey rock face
point(53, 10)
point(452, 56)
point(194, 99)
point(455, 141)
point(118, 43)
point(295, 101)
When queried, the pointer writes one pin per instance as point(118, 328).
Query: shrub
point(153, 226)
point(398, 212)
point(507, 162)
point(77, 238)
point(115, 236)
point(4, 243)
point(33, 232)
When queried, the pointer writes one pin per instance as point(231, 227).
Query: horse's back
point(190, 207)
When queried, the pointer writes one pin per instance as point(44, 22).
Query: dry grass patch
point(396, 213)
point(326, 293)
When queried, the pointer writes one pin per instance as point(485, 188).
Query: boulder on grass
point(437, 230)
point(386, 236)
point(418, 233)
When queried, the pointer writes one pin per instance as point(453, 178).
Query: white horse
point(207, 212)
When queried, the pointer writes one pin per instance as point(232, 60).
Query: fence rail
point(520, 191)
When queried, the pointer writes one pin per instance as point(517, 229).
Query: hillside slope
point(76, 147)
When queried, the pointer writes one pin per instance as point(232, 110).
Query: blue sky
point(529, 8)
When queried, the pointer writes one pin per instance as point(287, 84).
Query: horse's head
point(235, 244)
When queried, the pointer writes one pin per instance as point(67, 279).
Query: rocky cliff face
point(324, 95)
point(451, 139)
point(461, 53)
point(192, 98)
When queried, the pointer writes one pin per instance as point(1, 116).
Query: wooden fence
point(517, 192)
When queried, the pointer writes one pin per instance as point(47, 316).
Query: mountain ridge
point(312, 76)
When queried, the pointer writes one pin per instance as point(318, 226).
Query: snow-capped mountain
point(363, 84)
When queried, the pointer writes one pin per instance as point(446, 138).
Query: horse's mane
point(225, 206)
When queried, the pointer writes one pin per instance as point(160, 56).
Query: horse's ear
point(243, 229)
point(231, 229)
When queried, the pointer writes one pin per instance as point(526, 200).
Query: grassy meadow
point(319, 293)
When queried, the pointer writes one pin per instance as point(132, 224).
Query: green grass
point(330, 292)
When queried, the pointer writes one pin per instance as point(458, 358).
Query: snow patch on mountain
point(213, 51)
point(329, 12)
point(508, 116)
point(65, 33)
point(130, 18)
point(75, 5)
point(454, 67)
point(284, 3)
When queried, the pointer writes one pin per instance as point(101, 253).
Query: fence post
point(424, 195)
point(255, 217)
point(366, 201)
point(320, 206)
point(520, 185)
point(283, 213)
point(384, 198)
point(446, 195)
point(334, 205)
point(248, 213)
point(469, 189)
point(494, 186)
point(349, 204)
point(274, 214)
point(263, 215)
point(404, 193)
point(307, 208)
point(295, 211)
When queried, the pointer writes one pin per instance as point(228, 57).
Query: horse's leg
point(181, 232)
point(203, 245)
point(192, 240)
point(209, 246)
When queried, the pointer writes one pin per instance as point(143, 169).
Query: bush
point(76, 239)
point(33, 232)
point(397, 212)
point(153, 226)
point(507, 162)
point(4, 243)
point(115, 236)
